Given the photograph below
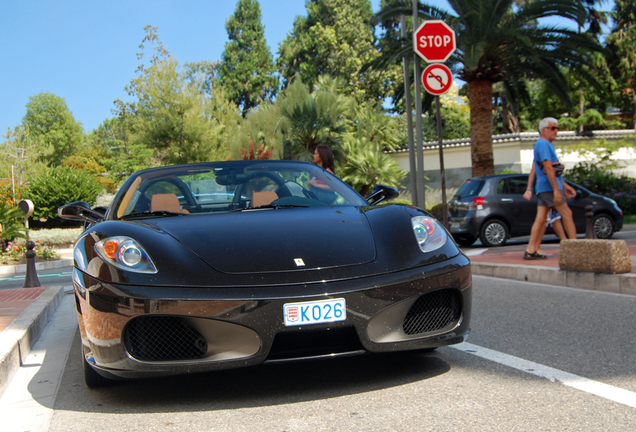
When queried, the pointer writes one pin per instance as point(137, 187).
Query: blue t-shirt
point(544, 150)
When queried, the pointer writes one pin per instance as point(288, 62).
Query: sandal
point(533, 256)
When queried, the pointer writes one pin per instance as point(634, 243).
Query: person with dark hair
point(323, 157)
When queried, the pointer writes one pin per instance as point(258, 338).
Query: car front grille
point(163, 338)
point(433, 312)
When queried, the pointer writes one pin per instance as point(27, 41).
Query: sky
point(85, 51)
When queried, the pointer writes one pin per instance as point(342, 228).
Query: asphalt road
point(521, 333)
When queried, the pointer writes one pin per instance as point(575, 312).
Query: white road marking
point(606, 391)
point(473, 252)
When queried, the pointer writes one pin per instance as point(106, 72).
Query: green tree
point(247, 69)
point(261, 126)
point(499, 43)
point(21, 155)
point(621, 43)
point(51, 127)
point(370, 132)
point(335, 39)
point(171, 115)
point(114, 150)
point(311, 119)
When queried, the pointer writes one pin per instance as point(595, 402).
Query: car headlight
point(125, 253)
point(429, 233)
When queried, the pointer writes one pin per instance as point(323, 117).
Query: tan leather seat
point(166, 202)
point(263, 198)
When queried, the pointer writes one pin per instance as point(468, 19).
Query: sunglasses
point(554, 128)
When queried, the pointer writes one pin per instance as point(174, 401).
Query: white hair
point(546, 122)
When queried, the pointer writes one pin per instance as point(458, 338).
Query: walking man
point(550, 188)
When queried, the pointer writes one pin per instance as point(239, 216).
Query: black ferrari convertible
point(227, 264)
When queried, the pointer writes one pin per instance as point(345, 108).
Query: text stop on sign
point(434, 41)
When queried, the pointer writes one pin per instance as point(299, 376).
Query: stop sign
point(434, 41)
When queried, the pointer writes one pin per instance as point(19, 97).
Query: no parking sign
point(437, 79)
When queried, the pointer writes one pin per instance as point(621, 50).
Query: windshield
point(230, 186)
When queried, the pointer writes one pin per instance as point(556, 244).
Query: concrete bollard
point(31, 280)
point(597, 256)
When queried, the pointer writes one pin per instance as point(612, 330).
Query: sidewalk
point(24, 312)
point(511, 265)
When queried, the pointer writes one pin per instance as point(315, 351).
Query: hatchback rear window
point(470, 188)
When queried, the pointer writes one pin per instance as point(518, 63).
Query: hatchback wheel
point(603, 226)
point(494, 233)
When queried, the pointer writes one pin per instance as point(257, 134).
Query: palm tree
point(497, 42)
point(310, 119)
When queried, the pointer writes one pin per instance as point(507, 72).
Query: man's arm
point(528, 193)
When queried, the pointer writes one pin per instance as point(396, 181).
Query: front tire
point(91, 377)
point(603, 226)
point(494, 233)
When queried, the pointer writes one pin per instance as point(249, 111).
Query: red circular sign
point(437, 79)
point(434, 41)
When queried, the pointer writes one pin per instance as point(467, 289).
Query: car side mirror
point(382, 193)
point(80, 211)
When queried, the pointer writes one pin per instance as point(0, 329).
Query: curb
point(17, 339)
point(46, 265)
point(612, 283)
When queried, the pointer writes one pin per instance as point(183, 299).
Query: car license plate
point(314, 312)
point(454, 225)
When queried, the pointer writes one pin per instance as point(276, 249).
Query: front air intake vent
point(434, 312)
point(163, 338)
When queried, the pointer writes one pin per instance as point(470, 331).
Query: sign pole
point(441, 162)
point(434, 41)
point(421, 201)
point(409, 117)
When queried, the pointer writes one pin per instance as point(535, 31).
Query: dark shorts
point(546, 199)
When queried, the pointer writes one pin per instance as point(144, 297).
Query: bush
point(12, 220)
point(621, 189)
point(56, 237)
point(54, 187)
point(7, 191)
point(436, 212)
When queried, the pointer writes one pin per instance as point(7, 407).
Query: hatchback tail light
point(477, 202)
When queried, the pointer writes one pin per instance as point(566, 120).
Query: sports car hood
point(275, 240)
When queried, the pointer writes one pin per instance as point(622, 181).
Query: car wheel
point(465, 240)
point(603, 226)
point(91, 377)
point(494, 233)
